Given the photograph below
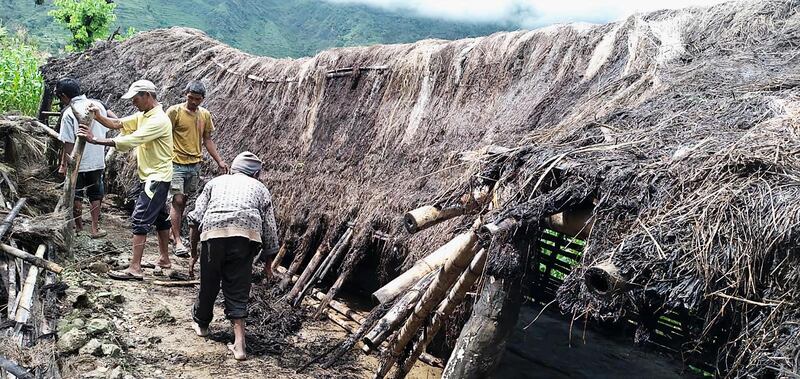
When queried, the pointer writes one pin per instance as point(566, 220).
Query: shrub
point(87, 20)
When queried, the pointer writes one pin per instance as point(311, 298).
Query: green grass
point(21, 83)
point(277, 28)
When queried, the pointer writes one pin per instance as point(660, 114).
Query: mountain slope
point(291, 28)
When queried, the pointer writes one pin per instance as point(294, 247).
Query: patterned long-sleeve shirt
point(236, 205)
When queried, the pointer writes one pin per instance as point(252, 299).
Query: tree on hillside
point(87, 20)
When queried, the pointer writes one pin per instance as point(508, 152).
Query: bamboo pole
point(427, 216)
point(311, 239)
point(176, 283)
point(12, 287)
point(14, 369)
point(423, 266)
point(357, 255)
point(445, 278)
point(401, 309)
point(335, 255)
point(279, 257)
point(298, 291)
point(25, 298)
point(454, 298)
point(32, 259)
point(8, 222)
point(604, 279)
point(66, 201)
point(321, 269)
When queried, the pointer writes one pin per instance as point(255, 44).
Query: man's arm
point(85, 132)
point(66, 152)
point(108, 122)
point(212, 150)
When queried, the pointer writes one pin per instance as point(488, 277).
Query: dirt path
point(151, 325)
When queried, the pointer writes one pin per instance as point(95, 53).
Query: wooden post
point(71, 178)
point(349, 265)
point(339, 250)
point(317, 267)
point(25, 298)
point(398, 313)
point(279, 257)
point(32, 259)
point(483, 339)
point(423, 266)
point(445, 278)
point(311, 239)
point(454, 298)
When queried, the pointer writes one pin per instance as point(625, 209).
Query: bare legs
point(176, 217)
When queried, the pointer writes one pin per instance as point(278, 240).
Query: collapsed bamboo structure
point(675, 129)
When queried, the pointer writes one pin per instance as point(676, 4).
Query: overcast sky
point(528, 13)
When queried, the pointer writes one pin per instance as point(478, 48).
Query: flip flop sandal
point(151, 264)
point(124, 275)
point(182, 252)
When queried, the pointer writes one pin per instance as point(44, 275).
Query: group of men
point(233, 219)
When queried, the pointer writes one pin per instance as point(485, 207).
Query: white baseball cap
point(139, 86)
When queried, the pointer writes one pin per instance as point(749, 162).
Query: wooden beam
point(25, 298)
point(30, 258)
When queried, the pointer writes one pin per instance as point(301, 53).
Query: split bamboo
point(12, 287)
point(25, 298)
point(423, 267)
point(454, 298)
point(401, 309)
point(445, 278)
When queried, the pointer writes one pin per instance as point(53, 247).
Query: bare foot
point(202, 332)
point(238, 354)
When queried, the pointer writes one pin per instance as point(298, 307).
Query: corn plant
point(21, 83)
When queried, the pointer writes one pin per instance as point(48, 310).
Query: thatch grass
point(680, 124)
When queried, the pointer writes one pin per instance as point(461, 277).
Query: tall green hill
point(277, 28)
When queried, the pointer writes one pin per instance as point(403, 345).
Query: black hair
point(68, 87)
point(153, 94)
point(196, 86)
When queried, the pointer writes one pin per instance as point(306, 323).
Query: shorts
point(185, 178)
point(90, 184)
point(151, 208)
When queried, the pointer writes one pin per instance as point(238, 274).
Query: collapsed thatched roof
point(679, 125)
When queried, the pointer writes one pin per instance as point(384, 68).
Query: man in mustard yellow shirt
point(191, 130)
point(150, 132)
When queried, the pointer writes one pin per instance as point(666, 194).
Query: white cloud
point(528, 13)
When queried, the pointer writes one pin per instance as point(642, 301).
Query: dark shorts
point(227, 262)
point(90, 184)
point(151, 208)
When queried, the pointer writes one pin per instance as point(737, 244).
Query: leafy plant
point(87, 20)
point(21, 83)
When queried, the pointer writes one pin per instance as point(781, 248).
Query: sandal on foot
point(124, 275)
point(181, 252)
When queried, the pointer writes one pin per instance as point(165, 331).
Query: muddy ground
point(151, 325)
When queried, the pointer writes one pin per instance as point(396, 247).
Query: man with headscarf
point(233, 219)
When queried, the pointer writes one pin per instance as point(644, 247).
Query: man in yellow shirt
point(191, 130)
point(150, 132)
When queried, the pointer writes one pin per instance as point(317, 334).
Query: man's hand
point(223, 167)
point(86, 133)
point(191, 265)
point(93, 108)
point(62, 168)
